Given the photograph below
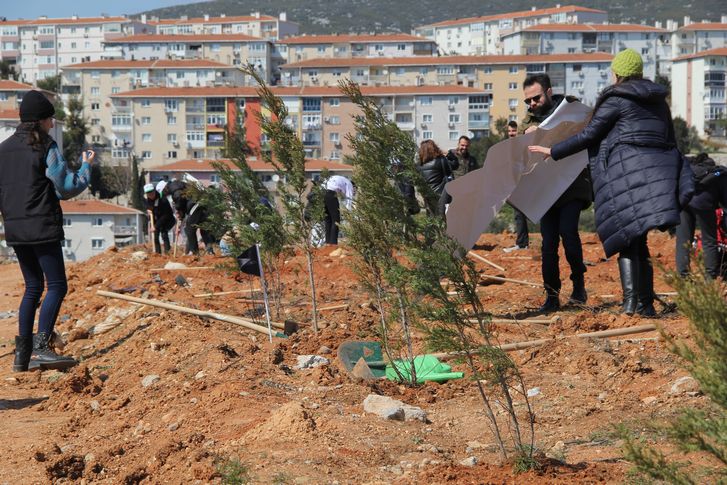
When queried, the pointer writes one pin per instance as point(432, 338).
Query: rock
point(649, 400)
point(173, 265)
point(324, 350)
point(149, 380)
point(115, 317)
point(95, 405)
point(684, 385)
point(200, 375)
point(8, 314)
point(389, 408)
point(181, 280)
point(11, 380)
point(362, 371)
point(602, 396)
point(310, 361)
point(173, 427)
point(90, 457)
point(533, 392)
point(138, 256)
point(471, 461)
point(557, 450)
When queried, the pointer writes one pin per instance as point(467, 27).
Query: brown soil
point(224, 392)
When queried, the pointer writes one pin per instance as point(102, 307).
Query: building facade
point(256, 25)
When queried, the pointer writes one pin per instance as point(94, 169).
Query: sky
point(30, 9)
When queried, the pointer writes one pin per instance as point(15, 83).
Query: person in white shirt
point(336, 185)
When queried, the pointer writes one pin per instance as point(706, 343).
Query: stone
point(95, 405)
point(389, 408)
point(602, 396)
point(470, 461)
point(89, 458)
point(181, 280)
point(173, 427)
point(324, 350)
point(149, 380)
point(362, 371)
point(200, 375)
point(533, 392)
point(138, 256)
point(8, 314)
point(558, 449)
point(684, 385)
point(649, 400)
point(310, 361)
point(173, 265)
point(115, 317)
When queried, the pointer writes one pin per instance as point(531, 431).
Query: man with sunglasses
point(561, 220)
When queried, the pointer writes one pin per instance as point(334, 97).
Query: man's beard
point(544, 109)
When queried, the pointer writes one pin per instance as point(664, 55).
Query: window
point(454, 118)
point(114, 90)
point(321, 49)
point(445, 70)
point(171, 120)
point(487, 70)
point(571, 50)
point(95, 121)
point(334, 120)
point(95, 138)
point(172, 154)
point(427, 135)
point(334, 102)
point(146, 120)
point(512, 86)
point(146, 155)
point(513, 70)
point(334, 137)
point(95, 106)
point(97, 221)
point(488, 86)
point(576, 84)
point(66, 222)
point(146, 137)
point(66, 244)
point(453, 135)
point(401, 47)
point(215, 178)
point(97, 243)
point(426, 100)
point(428, 118)
point(644, 51)
point(171, 138)
point(171, 105)
point(94, 74)
point(453, 100)
point(512, 103)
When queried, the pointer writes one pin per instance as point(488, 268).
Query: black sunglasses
point(535, 98)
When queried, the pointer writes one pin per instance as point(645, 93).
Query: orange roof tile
point(92, 206)
point(193, 92)
point(205, 165)
point(183, 38)
point(722, 51)
point(65, 21)
point(149, 64)
point(705, 26)
point(514, 15)
point(10, 85)
point(354, 38)
point(10, 114)
point(213, 20)
point(448, 60)
point(592, 28)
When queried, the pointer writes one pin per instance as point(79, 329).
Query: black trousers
point(521, 229)
point(333, 216)
point(160, 235)
point(561, 223)
point(707, 222)
point(190, 230)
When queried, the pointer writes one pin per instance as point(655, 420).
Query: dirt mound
point(291, 422)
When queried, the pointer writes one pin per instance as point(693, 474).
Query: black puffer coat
point(436, 174)
point(640, 179)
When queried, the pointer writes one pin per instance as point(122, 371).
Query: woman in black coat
point(436, 171)
point(639, 178)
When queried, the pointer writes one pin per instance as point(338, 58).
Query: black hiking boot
point(552, 304)
point(23, 349)
point(44, 358)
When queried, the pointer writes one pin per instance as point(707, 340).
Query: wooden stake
point(510, 280)
point(190, 268)
point(486, 261)
point(537, 321)
point(220, 293)
point(334, 307)
point(200, 313)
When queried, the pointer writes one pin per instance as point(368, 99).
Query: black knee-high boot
point(628, 269)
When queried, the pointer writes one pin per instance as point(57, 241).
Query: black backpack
point(705, 169)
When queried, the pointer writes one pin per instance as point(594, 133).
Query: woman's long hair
point(428, 151)
point(37, 137)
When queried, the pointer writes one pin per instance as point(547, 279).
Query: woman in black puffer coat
point(639, 178)
point(436, 171)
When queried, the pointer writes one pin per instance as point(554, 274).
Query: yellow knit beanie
point(626, 63)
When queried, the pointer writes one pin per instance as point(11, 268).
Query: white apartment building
point(38, 48)
point(11, 94)
point(584, 38)
point(93, 226)
point(698, 90)
point(482, 35)
point(697, 37)
point(256, 25)
point(96, 82)
point(294, 49)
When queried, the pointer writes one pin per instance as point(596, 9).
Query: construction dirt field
point(166, 397)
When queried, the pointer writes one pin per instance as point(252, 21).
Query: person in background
point(639, 177)
point(460, 159)
point(336, 185)
point(436, 171)
point(560, 222)
point(34, 178)
point(710, 192)
point(522, 240)
point(162, 217)
point(191, 214)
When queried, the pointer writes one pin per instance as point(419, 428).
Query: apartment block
point(698, 91)
point(294, 49)
point(93, 226)
point(11, 94)
point(95, 82)
point(231, 49)
point(38, 48)
point(697, 37)
point(256, 25)
point(499, 78)
point(482, 35)
point(651, 42)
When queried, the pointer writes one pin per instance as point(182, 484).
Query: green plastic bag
point(427, 368)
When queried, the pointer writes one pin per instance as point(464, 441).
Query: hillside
point(325, 16)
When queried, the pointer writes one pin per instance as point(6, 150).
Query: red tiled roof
point(64, 21)
point(93, 206)
point(722, 51)
point(513, 15)
point(148, 64)
point(593, 28)
point(705, 26)
point(355, 38)
point(10, 114)
point(182, 38)
point(205, 165)
point(448, 60)
point(10, 85)
point(243, 91)
point(212, 20)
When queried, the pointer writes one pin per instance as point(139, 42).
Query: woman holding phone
point(34, 178)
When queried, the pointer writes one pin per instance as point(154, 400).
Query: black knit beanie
point(35, 107)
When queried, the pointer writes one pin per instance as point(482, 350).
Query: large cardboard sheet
point(512, 172)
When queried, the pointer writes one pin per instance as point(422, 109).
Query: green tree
point(74, 134)
point(137, 183)
point(701, 300)
point(6, 71)
point(287, 155)
point(51, 83)
point(687, 137)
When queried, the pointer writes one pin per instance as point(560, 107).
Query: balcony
point(195, 126)
point(120, 230)
point(406, 125)
point(312, 126)
point(478, 125)
point(311, 143)
point(122, 128)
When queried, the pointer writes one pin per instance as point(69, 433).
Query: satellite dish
point(276, 177)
